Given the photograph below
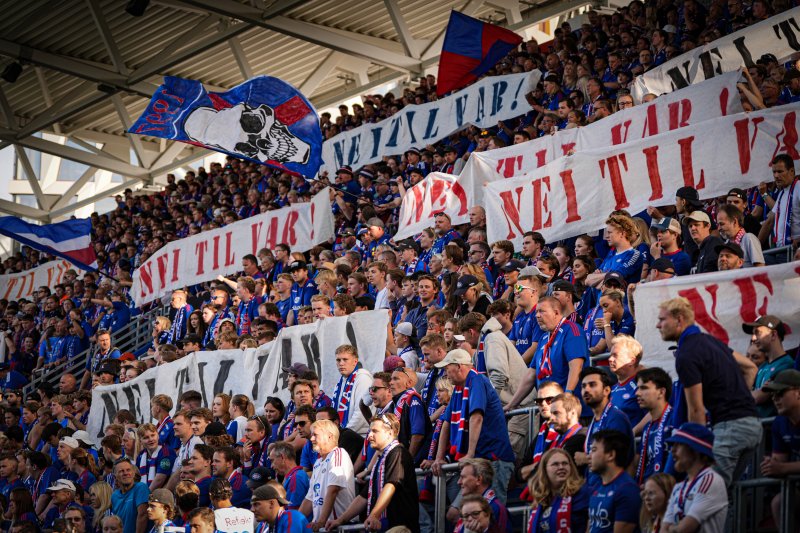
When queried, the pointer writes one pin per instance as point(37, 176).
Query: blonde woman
point(655, 497)
point(559, 494)
point(131, 443)
point(240, 410)
point(100, 500)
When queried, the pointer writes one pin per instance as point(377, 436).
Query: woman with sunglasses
point(560, 495)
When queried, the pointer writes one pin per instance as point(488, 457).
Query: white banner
point(574, 194)
point(482, 104)
point(24, 284)
point(778, 35)
point(722, 302)
point(695, 104)
point(219, 252)
point(254, 372)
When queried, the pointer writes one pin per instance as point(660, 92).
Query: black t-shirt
point(351, 441)
point(701, 358)
point(403, 509)
point(706, 260)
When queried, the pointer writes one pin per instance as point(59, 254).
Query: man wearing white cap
point(62, 498)
point(700, 231)
point(464, 433)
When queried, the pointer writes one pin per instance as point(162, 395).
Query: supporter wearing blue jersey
point(607, 320)
point(596, 392)
point(295, 479)
point(160, 407)
point(615, 501)
point(654, 387)
point(156, 461)
point(620, 233)
point(444, 230)
point(302, 290)
point(525, 331)
point(668, 245)
point(625, 362)
point(270, 509)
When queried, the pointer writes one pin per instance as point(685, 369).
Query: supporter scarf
point(403, 401)
point(489, 495)
point(147, 465)
point(429, 390)
point(563, 516)
point(480, 355)
point(177, 325)
point(683, 494)
point(459, 424)
point(787, 235)
point(562, 439)
point(341, 396)
point(587, 445)
point(658, 443)
point(260, 450)
point(243, 316)
point(426, 492)
point(377, 476)
point(546, 365)
point(544, 441)
point(166, 420)
point(739, 236)
point(211, 332)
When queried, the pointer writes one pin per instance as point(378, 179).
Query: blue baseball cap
point(696, 436)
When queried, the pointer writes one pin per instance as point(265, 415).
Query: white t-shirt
point(382, 299)
point(783, 209)
point(234, 520)
point(185, 452)
point(705, 499)
point(335, 469)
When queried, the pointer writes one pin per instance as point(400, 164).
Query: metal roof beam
point(23, 210)
point(48, 99)
point(510, 8)
point(107, 37)
point(169, 167)
point(280, 7)
point(312, 33)
point(240, 57)
point(135, 140)
point(412, 47)
point(320, 72)
point(169, 155)
point(63, 109)
point(542, 13)
point(129, 184)
point(75, 154)
point(27, 168)
point(75, 188)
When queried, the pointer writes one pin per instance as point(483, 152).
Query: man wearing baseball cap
point(738, 199)
point(767, 333)
point(668, 245)
point(302, 290)
point(62, 493)
point(474, 408)
point(700, 230)
point(700, 502)
point(161, 509)
point(268, 504)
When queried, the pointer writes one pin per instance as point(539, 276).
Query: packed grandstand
point(439, 382)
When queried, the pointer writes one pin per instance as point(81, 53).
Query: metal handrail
point(132, 336)
point(788, 250)
point(787, 494)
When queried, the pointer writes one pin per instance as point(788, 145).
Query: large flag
point(264, 120)
point(470, 49)
point(70, 240)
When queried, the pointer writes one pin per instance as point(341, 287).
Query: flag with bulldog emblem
point(264, 120)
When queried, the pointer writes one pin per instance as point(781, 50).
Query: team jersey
point(296, 484)
point(335, 469)
point(623, 395)
point(652, 449)
point(704, 498)
point(241, 492)
point(612, 502)
point(159, 462)
point(301, 296)
point(525, 331)
point(628, 263)
point(551, 360)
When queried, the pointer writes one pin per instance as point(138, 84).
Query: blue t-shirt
point(786, 438)
point(680, 260)
point(612, 418)
point(204, 484)
point(626, 326)
point(284, 306)
point(301, 296)
point(493, 443)
point(628, 263)
point(616, 501)
point(241, 492)
point(569, 344)
point(766, 372)
point(308, 456)
point(623, 395)
point(525, 331)
point(291, 521)
point(296, 484)
point(126, 506)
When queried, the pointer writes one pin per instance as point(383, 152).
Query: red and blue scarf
point(459, 421)
point(563, 516)
point(341, 396)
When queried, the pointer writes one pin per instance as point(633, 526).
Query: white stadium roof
point(89, 68)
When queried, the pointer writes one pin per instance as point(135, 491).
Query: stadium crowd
point(478, 330)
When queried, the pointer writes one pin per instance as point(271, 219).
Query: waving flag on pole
point(264, 120)
point(70, 240)
point(471, 48)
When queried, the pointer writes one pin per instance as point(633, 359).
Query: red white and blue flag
point(264, 120)
point(471, 48)
point(70, 240)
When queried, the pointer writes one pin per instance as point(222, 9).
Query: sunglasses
point(546, 399)
point(519, 288)
point(376, 389)
point(260, 420)
point(301, 423)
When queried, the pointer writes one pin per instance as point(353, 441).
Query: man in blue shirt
point(525, 331)
point(129, 500)
point(444, 230)
point(295, 480)
point(596, 393)
point(11, 379)
point(654, 387)
point(560, 354)
point(269, 507)
point(302, 290)
point(474, 408)
point(615, 502)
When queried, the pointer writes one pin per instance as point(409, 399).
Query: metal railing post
point(440, 501)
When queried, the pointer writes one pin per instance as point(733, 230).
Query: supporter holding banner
point(23, 284)
point(776, 35)
point(722, 302)
point(264, 120)
point(690, 106)
point(574, 194)
point(219, 252)
point(482, 104)
point(255, 372)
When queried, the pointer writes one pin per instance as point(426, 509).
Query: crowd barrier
point(774, 256)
